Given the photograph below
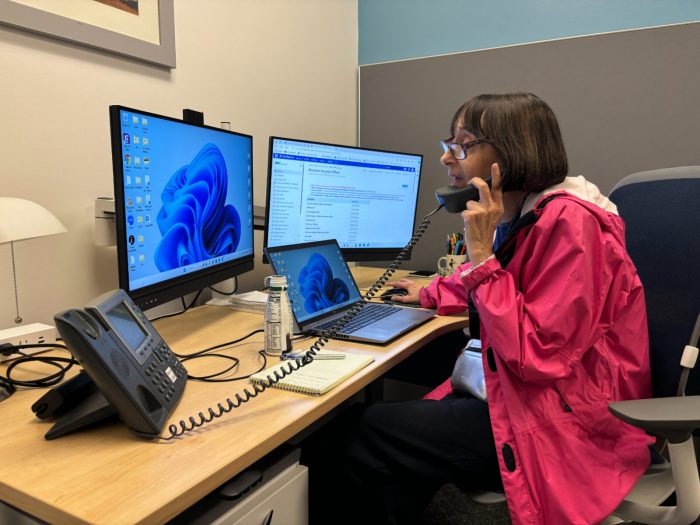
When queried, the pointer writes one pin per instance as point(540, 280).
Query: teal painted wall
point(403, 29)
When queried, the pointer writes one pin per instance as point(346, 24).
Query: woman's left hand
point(481, 217)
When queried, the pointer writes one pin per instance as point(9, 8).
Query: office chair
point(661, 210)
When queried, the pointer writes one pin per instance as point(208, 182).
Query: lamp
point(21, 219)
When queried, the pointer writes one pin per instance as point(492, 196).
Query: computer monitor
point(183, 202)
point(364, 198)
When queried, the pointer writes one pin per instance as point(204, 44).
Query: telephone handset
point(132, 367)
point(455, 199)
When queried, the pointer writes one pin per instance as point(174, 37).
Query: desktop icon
point(145, 141)
point(132, 240)
point(136, 139)
point(127, 159)
point(144, 121)
point(127, 138)
point(137, 180)
point(130, 220)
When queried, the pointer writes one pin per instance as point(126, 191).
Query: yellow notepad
point(318, 377)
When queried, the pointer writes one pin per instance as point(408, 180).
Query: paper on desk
point(250, 301)
point(251, 297)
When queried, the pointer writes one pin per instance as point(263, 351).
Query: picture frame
point(22, 14)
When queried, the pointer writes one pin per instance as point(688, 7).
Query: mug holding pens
point(456, 254)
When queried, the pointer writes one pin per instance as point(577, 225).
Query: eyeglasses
point(459, 150)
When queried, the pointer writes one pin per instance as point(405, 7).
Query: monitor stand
point(93, 408)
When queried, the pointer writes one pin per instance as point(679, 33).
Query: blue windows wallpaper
point(194, 220)
point(318, 286)
point(318, 279)
point(187, 193)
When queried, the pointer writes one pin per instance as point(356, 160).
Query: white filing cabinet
point(274, 491)
point(281, 501)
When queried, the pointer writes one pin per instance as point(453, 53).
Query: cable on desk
point(185, 307)
point(211, 377)
point(6, 388)
point(55, 361)
point(205, 353)
point(235, 287)
point(194, 422)
point(221, 345)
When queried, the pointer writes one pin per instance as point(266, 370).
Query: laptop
point(321, 290)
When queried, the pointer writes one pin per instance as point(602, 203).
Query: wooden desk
point(107, 475)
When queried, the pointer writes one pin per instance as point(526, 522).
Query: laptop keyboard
point(369, 314)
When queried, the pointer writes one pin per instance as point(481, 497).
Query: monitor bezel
point(159, 293)
point(388, 253)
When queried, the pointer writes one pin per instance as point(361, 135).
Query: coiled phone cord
point(212, 413)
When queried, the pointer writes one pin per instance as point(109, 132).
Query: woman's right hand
point(481, 217)
point(412, 288)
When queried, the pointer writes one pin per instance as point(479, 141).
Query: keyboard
point(369, 314)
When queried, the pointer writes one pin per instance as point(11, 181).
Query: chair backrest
point(661, 210)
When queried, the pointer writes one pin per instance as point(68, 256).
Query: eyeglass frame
point(447, 144)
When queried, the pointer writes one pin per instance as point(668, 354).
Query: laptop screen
point(318, 279)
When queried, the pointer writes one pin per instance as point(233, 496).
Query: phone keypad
point(164, 370)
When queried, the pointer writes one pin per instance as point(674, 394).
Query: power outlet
point(34, 333)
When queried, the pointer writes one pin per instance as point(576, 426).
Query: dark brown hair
point(525, 134)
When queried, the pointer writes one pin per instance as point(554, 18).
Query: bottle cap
point(276, 281)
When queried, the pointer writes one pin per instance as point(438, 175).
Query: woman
point(562, 321)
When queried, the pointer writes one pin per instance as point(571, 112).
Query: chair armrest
point(673, 418)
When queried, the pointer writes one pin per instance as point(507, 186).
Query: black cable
point(192, 303)
point(210, 378)
point(54, 361)
point(184, 308)
point(235, 287)
point(204, 353)
point(212, 413)
point(215, 347)
point(6, 388)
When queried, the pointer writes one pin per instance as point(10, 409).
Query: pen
point(302, 355)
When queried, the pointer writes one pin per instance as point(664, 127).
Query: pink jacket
point(564, 333)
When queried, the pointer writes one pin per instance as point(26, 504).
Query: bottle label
point(278, 329)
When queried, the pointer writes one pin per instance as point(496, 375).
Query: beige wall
point(268, 66)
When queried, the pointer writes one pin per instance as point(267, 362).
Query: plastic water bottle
point(279, 324)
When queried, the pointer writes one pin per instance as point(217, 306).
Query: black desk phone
point(132, 367)
point(455, 199)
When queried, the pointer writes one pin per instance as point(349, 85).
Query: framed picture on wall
point(141, 29)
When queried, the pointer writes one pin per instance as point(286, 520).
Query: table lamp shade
point(22, 219)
